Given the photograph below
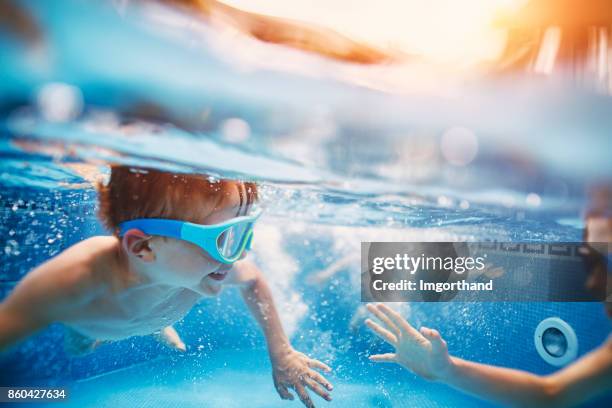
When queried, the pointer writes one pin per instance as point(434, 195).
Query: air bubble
point(459, 146)
point(235, 130)
point(59, 102)
point(533, 200)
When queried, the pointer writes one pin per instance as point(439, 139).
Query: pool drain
point(556, 341)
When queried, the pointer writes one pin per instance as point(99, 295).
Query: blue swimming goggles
point(225, 242)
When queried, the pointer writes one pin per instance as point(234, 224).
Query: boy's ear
point(136, 242)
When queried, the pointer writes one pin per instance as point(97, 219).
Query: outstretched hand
point(296, 370)
point(424, 353)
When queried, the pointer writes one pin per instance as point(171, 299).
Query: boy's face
point(181, 263)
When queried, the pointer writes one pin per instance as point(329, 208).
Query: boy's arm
point(15, 325)
point(257, 296)
point(44, 294)
point(291, 369)
point(425, 353)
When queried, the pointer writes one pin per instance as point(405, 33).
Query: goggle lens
point(231, 241)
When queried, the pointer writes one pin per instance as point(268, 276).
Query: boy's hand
point(295, 370)
point(424, 353)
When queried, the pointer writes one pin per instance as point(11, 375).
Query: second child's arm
point(425, 353)
point(585, 379)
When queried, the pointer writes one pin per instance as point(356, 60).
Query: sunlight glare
point(440, 30)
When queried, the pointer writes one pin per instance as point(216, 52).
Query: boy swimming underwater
point(177, 238)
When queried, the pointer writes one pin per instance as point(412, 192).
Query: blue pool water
point(337, 164)
point(226, 364)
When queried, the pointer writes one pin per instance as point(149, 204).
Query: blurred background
point(361, 121)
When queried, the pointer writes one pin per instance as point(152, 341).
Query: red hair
point(134, 192)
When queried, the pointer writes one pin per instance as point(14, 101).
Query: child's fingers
point(399, 321)
point(282, 390)
point(438, 345)
point(383, 318)
point(312, 363)
point(317, 388)
point(303, 394)
point(383, 358)
point(381, 332)
point(320, 379)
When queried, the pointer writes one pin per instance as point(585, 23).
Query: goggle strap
point(166, 228)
